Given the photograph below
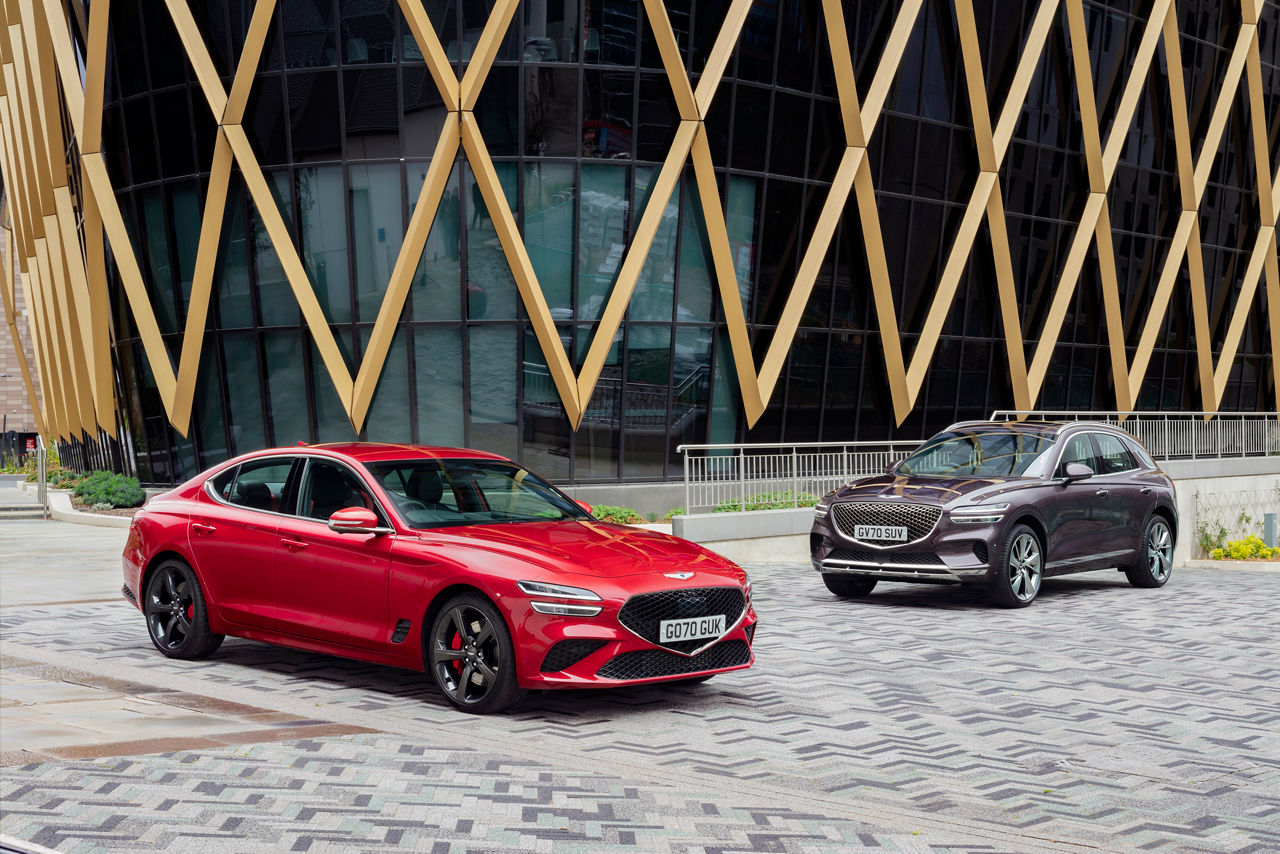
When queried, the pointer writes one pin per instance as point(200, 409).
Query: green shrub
point(674, 511)
point(104, 487)
point(64, 478)
point(620, 515)
point(767, 501)
point(1250, 548)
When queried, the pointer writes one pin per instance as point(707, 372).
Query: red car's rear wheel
point(175, 610)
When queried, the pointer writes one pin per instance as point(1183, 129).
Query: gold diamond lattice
point(57, 240)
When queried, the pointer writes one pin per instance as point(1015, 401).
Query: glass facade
point(578, 116)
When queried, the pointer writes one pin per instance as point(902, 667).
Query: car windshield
point(440, 493)
point(980, 453)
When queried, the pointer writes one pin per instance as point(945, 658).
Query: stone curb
point(60, 508)
point(1247, 565)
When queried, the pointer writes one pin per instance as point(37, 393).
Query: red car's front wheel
point(471, 657)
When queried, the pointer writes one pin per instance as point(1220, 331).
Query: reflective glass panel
point(437, 365)
point(493, 389)
point(275, 296)
point(231, 275)
point(602, 236)
point(308, 33)
point(644, 400)
point(378, 231)
point(244, 398)
point(436, 291)
point(332, 422)
point(654, 295)
point(388, 419)
point(368, 31)
point(548, 232)
point(160, 280)
point(546, 433)
point(324, 239)
point(491, 289)
point(287, 387)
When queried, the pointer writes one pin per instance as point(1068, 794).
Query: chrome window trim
point(1091, 433)
point(212, 493)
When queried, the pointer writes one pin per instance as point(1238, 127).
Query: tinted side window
point(221, 485)
point(1078, 450)
point(329, 487)
point(1113, 456)
point(263, 484)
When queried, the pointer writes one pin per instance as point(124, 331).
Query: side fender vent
point(402, 631)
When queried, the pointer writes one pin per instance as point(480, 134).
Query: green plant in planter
point(767, 501)
point(101, 487)
point(619, 515)
point(1250, 548)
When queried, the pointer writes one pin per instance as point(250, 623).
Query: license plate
point(891, 533)
point(695, 628)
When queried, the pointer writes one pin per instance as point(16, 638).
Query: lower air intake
point(652, 663)
point(567, 653)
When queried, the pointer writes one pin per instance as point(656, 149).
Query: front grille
point(567, 653)
point(918, 519)
point(890, 558)
point(651, 663)
point(641, 614)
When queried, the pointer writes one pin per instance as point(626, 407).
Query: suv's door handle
point(293, 545)
point(1102, 493)
point(1146, 490)
point(202, 529)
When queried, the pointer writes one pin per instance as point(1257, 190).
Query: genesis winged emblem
point(681, 576)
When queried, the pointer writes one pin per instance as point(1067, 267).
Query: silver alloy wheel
point(1024, 567)
point(1159, 550)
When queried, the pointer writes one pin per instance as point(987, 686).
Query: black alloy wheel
point(471, 657)
point(1154, 561)
point(1019, 570)
point(177, 619)
point(849, 586)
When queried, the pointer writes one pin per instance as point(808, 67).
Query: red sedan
point(456, 562)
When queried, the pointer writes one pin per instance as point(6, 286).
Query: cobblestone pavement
point(1103, 717)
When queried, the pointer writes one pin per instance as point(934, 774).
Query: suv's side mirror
point(1076, 471)
point(356, 520)
point(892, 467)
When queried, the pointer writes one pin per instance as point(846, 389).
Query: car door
point(332, 587)
point(1131, 498)
point(232, 537)
point(1075, 516)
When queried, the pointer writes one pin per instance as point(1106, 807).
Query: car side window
point(261, 484)
point(1078, 450)
point(221, 485)
point(328, 487)
point(1113, 456)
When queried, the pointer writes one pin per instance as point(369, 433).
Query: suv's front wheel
point(1019, 570)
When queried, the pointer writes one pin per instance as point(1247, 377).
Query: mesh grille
point(980, 550)
point(642, 613)
point(649, 663)
point(568, 653)
point(891, 558)
point(918, 519)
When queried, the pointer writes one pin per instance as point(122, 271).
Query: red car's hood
point(588, 547)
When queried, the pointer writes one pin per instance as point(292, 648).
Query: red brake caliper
point(191, 611)
point(456, 643)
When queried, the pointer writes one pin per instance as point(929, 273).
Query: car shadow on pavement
point(966, 597)
point(373, 687)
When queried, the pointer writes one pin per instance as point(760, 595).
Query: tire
point(1019, 570)
point(177, 616)
point(1154, 562)
point(470, 656)
point(849, 586)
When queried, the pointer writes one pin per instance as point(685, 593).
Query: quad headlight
point(980, 513)
point(820, 510)
point(560, 591)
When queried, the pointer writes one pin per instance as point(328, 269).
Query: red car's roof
point(375, 451)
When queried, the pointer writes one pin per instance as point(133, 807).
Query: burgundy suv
point(1003, 504)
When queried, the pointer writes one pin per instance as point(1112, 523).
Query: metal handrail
point(716, 473)
point(42, 475)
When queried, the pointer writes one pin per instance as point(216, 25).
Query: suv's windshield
point(437, 493)
point(980, 453)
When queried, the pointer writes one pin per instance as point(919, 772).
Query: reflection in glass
point(388, 419)
point(437, 366)
point(644, 399)
point(724, 395)
point(493, 389)
point(741, 214)
point(244, 399)
point(332, 422)
point(372, 120)
point(231, 274)
point(286, 387)
point(545, 432)
point(159, 282)
point(377, 231)
point(308, 33)
point(608, 33)
point(608, 101)
point(550, 111)
point(690, 390)
point(275, 296)
point(548, 232)
point(369, 31)
point(551, 32)
point(602, 235)
point(324, 239)
point(207, 425)
point(655, 291)
point(436, 291)
point(185, 206)
point(598, 439)
point(497, 114)
point(491, 289)
point(696, 267)
point(314, 117)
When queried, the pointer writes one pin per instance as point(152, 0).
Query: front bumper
point(950, 553)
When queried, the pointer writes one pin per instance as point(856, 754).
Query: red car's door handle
point(1103, 493)
point(202, 529)
point(293, 545)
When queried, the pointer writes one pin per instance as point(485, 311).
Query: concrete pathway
point(1102, 718)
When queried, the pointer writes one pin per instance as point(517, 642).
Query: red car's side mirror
point(356, 520)
point(584, 505)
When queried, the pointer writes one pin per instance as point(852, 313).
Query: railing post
point(742, 479)
point(42, 476)
point(688, 502)
point(795, 478)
